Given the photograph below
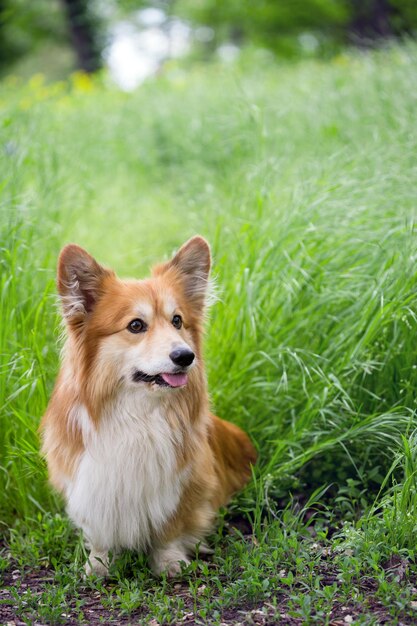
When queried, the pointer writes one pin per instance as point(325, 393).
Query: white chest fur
point(127, 483)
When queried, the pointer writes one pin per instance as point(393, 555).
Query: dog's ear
point(79, 282)
point(192, 262)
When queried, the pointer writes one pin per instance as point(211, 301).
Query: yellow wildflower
point(81, 81)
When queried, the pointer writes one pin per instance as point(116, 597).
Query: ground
point(320, 597)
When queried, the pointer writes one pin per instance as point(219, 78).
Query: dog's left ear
point(192, 261)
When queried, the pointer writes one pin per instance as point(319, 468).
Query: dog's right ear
point(79, 283)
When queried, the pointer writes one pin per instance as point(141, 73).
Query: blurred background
point(134, 38)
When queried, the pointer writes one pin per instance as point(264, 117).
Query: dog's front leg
point(97, 563)
point(168, 558)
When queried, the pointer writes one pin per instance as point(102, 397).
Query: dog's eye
point(136, 326)
point(177, 321)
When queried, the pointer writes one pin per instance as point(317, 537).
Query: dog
point(128, 435)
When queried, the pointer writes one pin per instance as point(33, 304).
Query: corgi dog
point(128, 435)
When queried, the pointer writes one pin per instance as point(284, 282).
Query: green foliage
point(390, 525)
point(268, 22)
point(276, 23)
point(24, 25)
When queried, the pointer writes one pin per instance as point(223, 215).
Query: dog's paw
point(170, 568)
point(168, 560)
point(202, 548)
point(97, 564)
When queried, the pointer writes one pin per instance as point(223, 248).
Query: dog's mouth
point(177, 379)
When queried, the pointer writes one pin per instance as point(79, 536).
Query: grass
point(303, 179)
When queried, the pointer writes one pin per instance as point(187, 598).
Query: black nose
point(182, 356)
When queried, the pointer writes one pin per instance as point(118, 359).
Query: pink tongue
point(175, 380)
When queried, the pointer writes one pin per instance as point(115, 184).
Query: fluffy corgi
point(128, 435)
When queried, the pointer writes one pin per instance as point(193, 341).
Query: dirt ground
point(263, 614)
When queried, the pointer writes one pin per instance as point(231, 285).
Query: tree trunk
point(371, 19)
point(83, 34)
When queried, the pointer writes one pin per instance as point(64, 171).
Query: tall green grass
point(303, 177)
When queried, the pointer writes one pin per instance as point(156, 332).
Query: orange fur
point(212, 458)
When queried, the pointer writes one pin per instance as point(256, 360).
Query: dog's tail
point(234, 455)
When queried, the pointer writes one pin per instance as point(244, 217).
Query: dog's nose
point(182, 356)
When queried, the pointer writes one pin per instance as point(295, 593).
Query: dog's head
point(138, 333)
